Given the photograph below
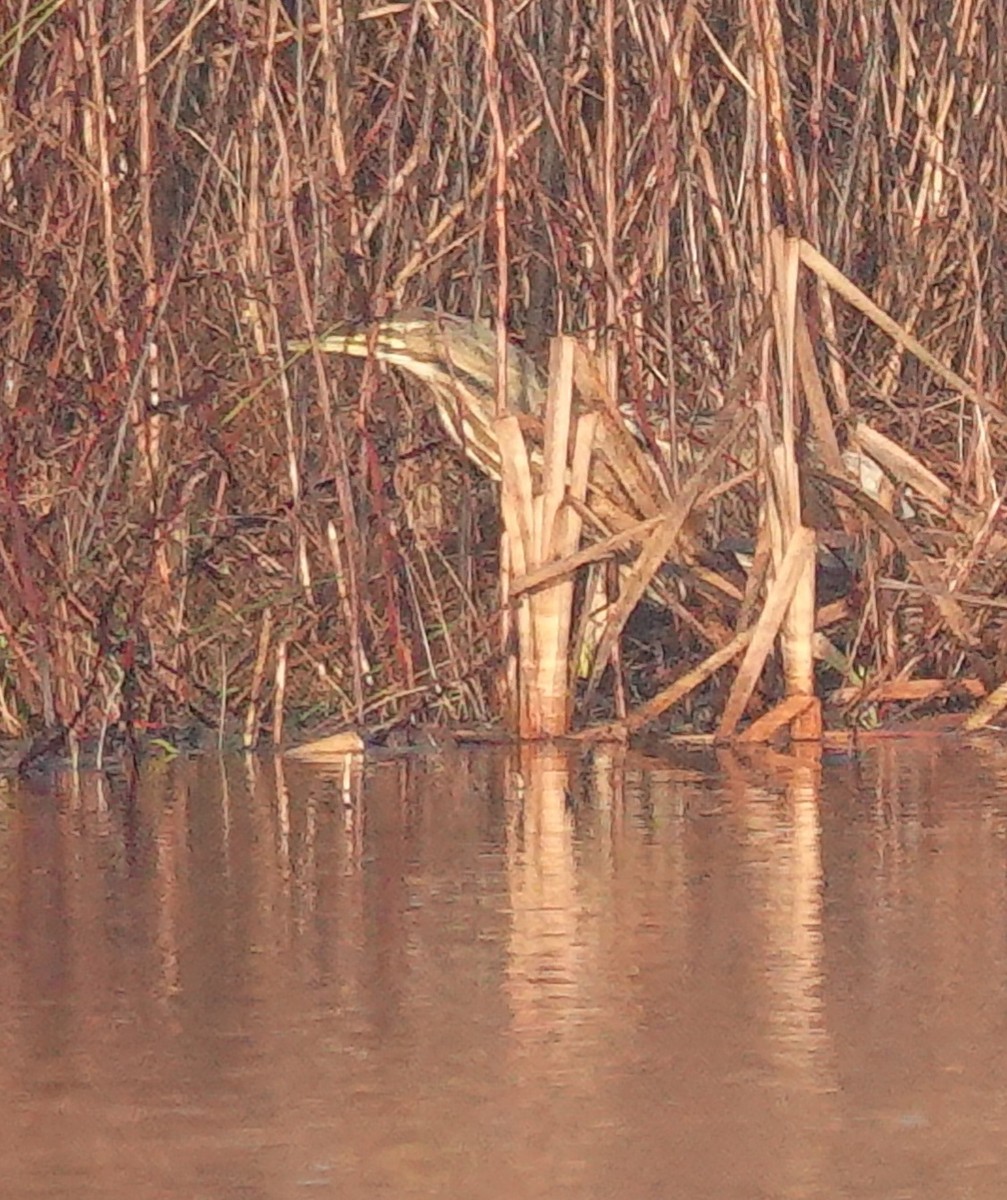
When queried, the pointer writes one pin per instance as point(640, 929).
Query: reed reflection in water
point(497, 974)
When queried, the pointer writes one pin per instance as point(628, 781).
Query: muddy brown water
point(482, 975)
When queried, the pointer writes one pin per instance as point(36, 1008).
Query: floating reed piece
point(541, 527)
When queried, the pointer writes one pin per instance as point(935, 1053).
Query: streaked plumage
point(456, 358)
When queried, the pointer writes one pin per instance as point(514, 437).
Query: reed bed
point(795, 211)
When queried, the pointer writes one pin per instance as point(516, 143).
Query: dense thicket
point(187, 527)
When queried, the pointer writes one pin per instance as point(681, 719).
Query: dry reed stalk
point(552, 607)
point(822, 424)
point(905, 468)
point(279, 690)
point(250, 734)
point(11, 725)
point(926, 571)
point(659, 545)
point(540, 528)
point(814, 261)
point(988, 710)
point(799, 554)
point(668, 697)
point(798, 628)
point(516, 510)
point(901, 690)
point(796, 712)
point(499, 143)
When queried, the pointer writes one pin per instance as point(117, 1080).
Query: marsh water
point(500, 975)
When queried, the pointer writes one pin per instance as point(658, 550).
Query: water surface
point(495, 975)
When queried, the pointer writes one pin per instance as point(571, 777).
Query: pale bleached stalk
point(798, 630)
point(800, 551)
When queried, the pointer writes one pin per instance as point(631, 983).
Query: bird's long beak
point(336, 342)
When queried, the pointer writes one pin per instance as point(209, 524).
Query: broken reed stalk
point(789, 607)
point(794, 566)
point(540, 528)
point(798, 630)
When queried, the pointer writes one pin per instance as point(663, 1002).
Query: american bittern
point(457, 359)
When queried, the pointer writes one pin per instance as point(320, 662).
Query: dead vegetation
point(193, 530)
